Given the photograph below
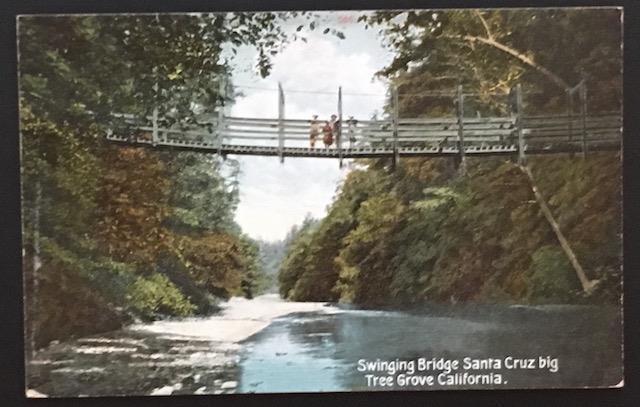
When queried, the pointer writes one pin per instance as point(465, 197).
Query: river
point(269, 345)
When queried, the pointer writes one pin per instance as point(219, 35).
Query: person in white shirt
point(314, 131)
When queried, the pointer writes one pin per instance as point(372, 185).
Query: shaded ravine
point(268, 345)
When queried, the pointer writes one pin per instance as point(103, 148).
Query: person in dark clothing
point(328, 134)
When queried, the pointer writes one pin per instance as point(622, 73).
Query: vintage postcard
point(335, 201)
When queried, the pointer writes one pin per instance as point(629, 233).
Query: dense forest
point(271, 255)
point(428, 231)
point(114, 233)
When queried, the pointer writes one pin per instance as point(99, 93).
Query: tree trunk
point(587, 285)
point(31, 297)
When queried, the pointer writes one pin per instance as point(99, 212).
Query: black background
point(11, 334)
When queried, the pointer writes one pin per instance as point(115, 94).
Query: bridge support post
point(154, 124)
point(583, 112)
point(396, 118)
point(339, 135)
point(280, 122)
point(154, 114)
point(570, 113)
point(522, 159)
point(460, 111)
point(220, 125)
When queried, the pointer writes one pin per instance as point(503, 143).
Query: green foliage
point(202, 199)
point(131, 229)
point(110, 278)
point(424, 233)
point(97, 62)
point(418, 243)
point(58, 281)
point(254, 280)
point(312, 263)
point(296, 259)
point(271, 257)
point(489, 51)
point(480, 237)
point(58, 175)
point(175, 270)
point(366, 252)
point(155, 295)
point(551, 276)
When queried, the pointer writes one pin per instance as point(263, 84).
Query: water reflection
point(320, 352)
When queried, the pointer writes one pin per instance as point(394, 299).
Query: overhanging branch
point(516, 54)
point(485, 24)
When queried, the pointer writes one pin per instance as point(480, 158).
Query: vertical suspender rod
point(280, 122)
point(339, 135)
point(460, 109)
point(396, 117)
point(570, 113)
point(154, 124)
point(154, 117)
point(583, 110)
point(222, 88)
point(522, 159)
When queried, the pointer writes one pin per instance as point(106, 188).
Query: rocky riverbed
point(188, 356)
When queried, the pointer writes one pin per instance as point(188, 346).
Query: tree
point(489, 51)
point(310, 271)
point(202, 198)
point(296, 261)
point(366, 254)
point(133, 207)
point(111, 219)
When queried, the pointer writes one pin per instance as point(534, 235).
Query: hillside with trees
point(115, 233)
point(428, 232)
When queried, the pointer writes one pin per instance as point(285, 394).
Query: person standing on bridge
point(314, 131)
point(335, 128)
point(351, 128)
point(328, 134)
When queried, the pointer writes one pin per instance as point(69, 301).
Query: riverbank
point(239, 319)
point(187, 356)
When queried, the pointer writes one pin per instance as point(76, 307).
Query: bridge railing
point(505, 128)
point(409, 130)
point(593, 131)
point(539, 132)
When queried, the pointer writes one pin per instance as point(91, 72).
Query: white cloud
point(318, 65)
point(274, 196)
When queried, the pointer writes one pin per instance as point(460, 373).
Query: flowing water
point(267, 345)
point(308, 352)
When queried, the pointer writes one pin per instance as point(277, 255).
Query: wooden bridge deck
point(379, 138)
point(362, 152)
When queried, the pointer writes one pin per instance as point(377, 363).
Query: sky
point(274, 196)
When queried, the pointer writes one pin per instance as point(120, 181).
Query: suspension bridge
point(457, 135)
